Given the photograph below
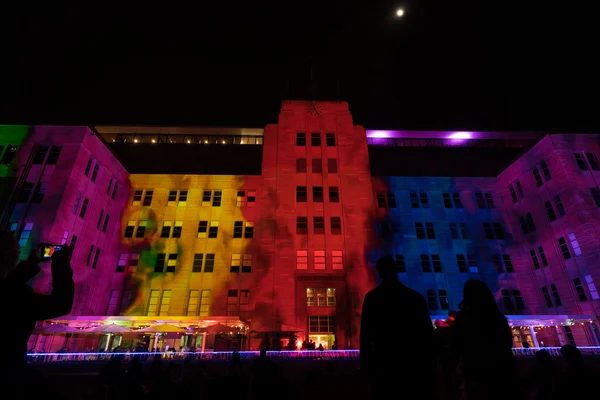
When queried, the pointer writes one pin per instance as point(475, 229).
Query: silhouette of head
point(9, 253)
point(477, 296)
point(386, 269)
point(543, 357)
point(572, 355)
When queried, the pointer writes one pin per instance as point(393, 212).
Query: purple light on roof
point(381, 134)
point(460, 135)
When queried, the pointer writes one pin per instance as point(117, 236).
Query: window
point(9, 154)
point(202, 229)
point(206, 197)
point(177, 197)
point(88, 167)
point(301, 139)
point(425, 263)
point(73, 242)
point(581, 158)
point(213, 229)
point(332, 166)
point(315, 139)
point(141, 229)
point(557, 300)
point(204, 302)
point(128, 260)
point(40, 155)
point(592, 287)
point(547, 298)
point(508, 265)
point(319, 256)
point(543, 256)
point(236, 263)
point(513, 194)
point(516, 191)
point(113, 302)
point(574, 244)
point(559, 206)
point(301, 195)
point(301, 225)
point(217, 197)
point(247, 263)
point(534, 259)
point(114, 193)
point(159, 266)
point(330, 139)
point(595, 196)
point(96, 257)
point(550, 211)
point(177, 229)
point(508, 296)
point(452, 200)
point(321, 324)
point(244, 198)
point(317, 192)
point(436, 263)
point(209, 263)
point(462, 263)
point(564, 248)
point(301, 165)
point(54, 154)
point(76, 202)
point(40, 191)
point(334, 194)
point(153, 302)
point(319, 225)
point(25, 234)
point(317, 165)
point(95, 172)
point(493, 231)
point(336, 225)
point(579, 289)
point(84, 207)
point(489, 200)
point(100, 218)
point(197, 264)
point(479, 200)
point(414, 200)
point(541, 174)
point(458, 230)
point(539, 182)
point(110, 183)
point(400, 263)
point(386, 199)
point(473, 268)
point(337, 260)
point(193, 302)
point(301, 259)
point(137, 197)
point(527, 224)
point(165, 303)
point(432, 300)
point(443, 295)
point(148, 198)
point(166, 229)
point(497, 263)
point(25, 192)
point(424, 230)
point(129, 229)
point(89, 256)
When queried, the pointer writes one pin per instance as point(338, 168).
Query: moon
point(400, 12)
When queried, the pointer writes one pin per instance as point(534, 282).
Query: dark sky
point(446, 65)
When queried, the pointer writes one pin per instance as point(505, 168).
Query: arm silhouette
point(60, 301)
point(366, 333)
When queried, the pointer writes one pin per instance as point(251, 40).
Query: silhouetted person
point(543, 374)
point(482, 344)
point(24, 307)
point(447, 363)
point(396, 338)
point(577, 381)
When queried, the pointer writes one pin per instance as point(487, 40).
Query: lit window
point(592, 287)
point(302, 259)
point(337, 260)
point(236, 262)
point(319, 259)
point(165, 303)
point(153, 302)
point(204, 302)
point(193, 302)
point(574, 244)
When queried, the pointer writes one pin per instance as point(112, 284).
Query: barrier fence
point(331, 355)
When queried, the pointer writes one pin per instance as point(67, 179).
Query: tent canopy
point(220, 328)
point(163, 328)
point(108, 328)
point(56, 328)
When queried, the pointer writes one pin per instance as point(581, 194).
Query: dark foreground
point(315, 379)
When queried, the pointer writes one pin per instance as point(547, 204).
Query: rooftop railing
point(188, 139)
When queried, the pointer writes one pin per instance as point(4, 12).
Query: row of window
point(426, 230)
point(539, 259)
point(206, 229)
point(210, 198)
point(317, 166)
point(47, 154)
point(317, 194)
point(315, 139)
point(7, 156)
point(335, 224)
point(422, 200)
point(199, 301)
point(465, 263)
point(320, 297)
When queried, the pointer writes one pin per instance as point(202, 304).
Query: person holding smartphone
point(22, 307)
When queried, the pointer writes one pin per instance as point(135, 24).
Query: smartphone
point(46, 251)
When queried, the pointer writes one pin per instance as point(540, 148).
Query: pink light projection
point(462, 135)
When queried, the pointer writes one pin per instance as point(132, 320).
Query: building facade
point(278, 229)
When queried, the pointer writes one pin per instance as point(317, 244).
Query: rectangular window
point(381, 200)
point(457, 200)
point(206, 198)
point(595, 196)
point(547, 298)
point(423, 198)
point(122, 263)
point(447, 200)
point(300, 165)
point(319, 225)
point(489, 200)
point(579, 289)
point(114, 193)
point(557, 300)
point(172, 198)
point(334, 194)
point(213, 229)
point(332, 166)
point(100, 218)
point(217, 196)
point(9, 154)
point(400, 263)
point(96, 257)
point(89, 256)
point(425, 263)
point(591, 287)
point(76, 202)
point(487, 228)
point(498, 231)
point(182, 201)
point(391, 200)
point(204, 302)
point(171, 262)
point(238, 229)
point(436, 262)
point(113, 303)
point(336, 225)
point(317, 166)
point(420, 230)
point(432, 300)
point(88, 167)
point(443, 295)
point(110, 182)
point(153, 302)
point(564, 248)
point(209, 263)
point(137, 197)
point(301, 139)
point(319, 256)
point(141, 229)
point(247, 263)
point(581, 162)
point(40, 155)
point(236, 263)
point(539, 182)
point(330, 139)
point(591, 158)
point(508, 265)
point(84, 207)
point(95, 172)
point(337, 260)
point(463, 230)
point(479, 200)
point(73, 242)
point(574, 244)
point(429, 231)
point(454, 232)
point(550, 211)
point(25, 192)
point(159, 266)
point(513, 194)
point(301, 195)
point(543, 256)
point(202, 229)
point(40, 191)
point(134, 260)
point(301, 259)
point(193, 302)
point(518, 300)
point(473, 268)
point(148, 198)
point(414, 200)
point(177, 229)
point(559, 206)
point(301, 225)
point(545, 171)
point(317, 192)
point(197, 264)
point(165, 303)
point(321, 324)
point(315, 139)
point(129, 229)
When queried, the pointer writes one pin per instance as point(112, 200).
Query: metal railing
point(189, 139)
point(45, 358)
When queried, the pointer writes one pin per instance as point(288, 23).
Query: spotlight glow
point(399, 12)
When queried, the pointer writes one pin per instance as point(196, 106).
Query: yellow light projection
point(169, 227)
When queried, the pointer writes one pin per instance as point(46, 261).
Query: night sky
point(482, 64)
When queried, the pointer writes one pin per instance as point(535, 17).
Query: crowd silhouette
point(467, 357)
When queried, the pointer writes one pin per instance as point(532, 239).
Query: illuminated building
point(278, 228)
